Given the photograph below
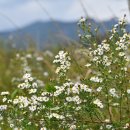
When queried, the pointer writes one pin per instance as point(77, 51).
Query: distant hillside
point(50, 33)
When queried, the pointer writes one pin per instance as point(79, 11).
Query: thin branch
point(84, 9)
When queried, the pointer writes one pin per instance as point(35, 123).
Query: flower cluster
point(98, 103)
point(64, 63)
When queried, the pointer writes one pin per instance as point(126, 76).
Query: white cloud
point(26, 11)
point(102, 9)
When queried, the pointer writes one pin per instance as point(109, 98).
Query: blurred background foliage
point(40, 62)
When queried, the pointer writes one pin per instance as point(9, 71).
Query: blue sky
point(18, 13)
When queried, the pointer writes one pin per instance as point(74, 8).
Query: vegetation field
point(78, 87)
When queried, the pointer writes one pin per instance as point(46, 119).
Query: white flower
point(106, 61)
point(79, 35)
point(128, 91)
point(76, 99)
point(106, 47)
point(126, 126)
point(121, 21)
point(43, 128)
point(100, 51)
point(107, 120)
point(115, 104)
point(124, 68)
point(11, 125)
point(96, 79)
point(121, 54)
point(88, 36)
point(63, 60)
point(99, 89)
point(95, 58)
point(69, 99)
point(34, 85)
point(15, 101)
point(56, 116)
point(77, 108)
point(108, 127)
point(87, 65)
point(26, 76)
point(112, 92)
point(17, 128)
point(29, 56)
point(24, 85)
point(45, 93)
point(72, 127)
point(75, 89)
point(3, 107)
point(45, 74)
point(82, 20)
point(4, 99)
point(45, 99)
point(32, 91)
point(4, 93)
point(1, 117)
point(98, 103)
point(22, 101)
point(39, 58)
point(32, 108)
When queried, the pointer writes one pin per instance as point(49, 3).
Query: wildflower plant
point(63, 59)
point(110, 78)
point(99, 101)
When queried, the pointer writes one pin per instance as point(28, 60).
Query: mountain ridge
point(44, 33)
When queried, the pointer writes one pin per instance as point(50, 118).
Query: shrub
point(98, 101)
